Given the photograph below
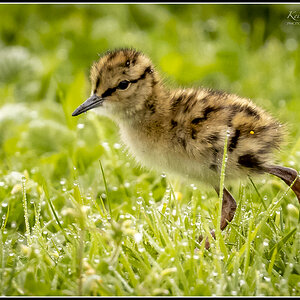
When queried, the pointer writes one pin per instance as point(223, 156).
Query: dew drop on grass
point(138, 237)
point(127, 184)
point(2, 183)
point(62, 181)
point(117, 146)
point(141, 249)
point(4, 204)
point(3, 217)
point(151, 202)
point(80, 126)
point(214, 273)
point(13, 224)
point(110, 268)
point(291, 163)
point(106, 146)
point(266, 243)
point(139, 201)
point(163, 175)
point(103, 196)
point(114, 188)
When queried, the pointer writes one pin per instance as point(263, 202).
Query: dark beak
point(92, 102)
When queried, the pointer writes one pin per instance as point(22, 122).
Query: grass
point(78, 216)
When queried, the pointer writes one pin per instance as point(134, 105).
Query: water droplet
point(62, 181)
point(80, 126)
point(13, 224)
point(163, 175)
point(117, 146)
point(3, 217)
point(103, 196)
point(127, 184)
point(106, 146)
point(228, 132)
point(4, 204)
point(139, 200)
point(2, 183)
point(138, 237)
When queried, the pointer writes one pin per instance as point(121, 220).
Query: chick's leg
point(288, 175)
point(228, 211)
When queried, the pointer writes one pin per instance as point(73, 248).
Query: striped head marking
point(122, 81)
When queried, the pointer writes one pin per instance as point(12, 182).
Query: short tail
point(288, 175)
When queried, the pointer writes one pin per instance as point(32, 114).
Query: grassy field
point(78, 216)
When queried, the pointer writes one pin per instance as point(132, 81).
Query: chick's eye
point(123, 85)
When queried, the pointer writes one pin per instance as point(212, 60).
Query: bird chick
point(183, 131)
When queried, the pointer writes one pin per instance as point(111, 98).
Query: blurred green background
point(45, 55)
